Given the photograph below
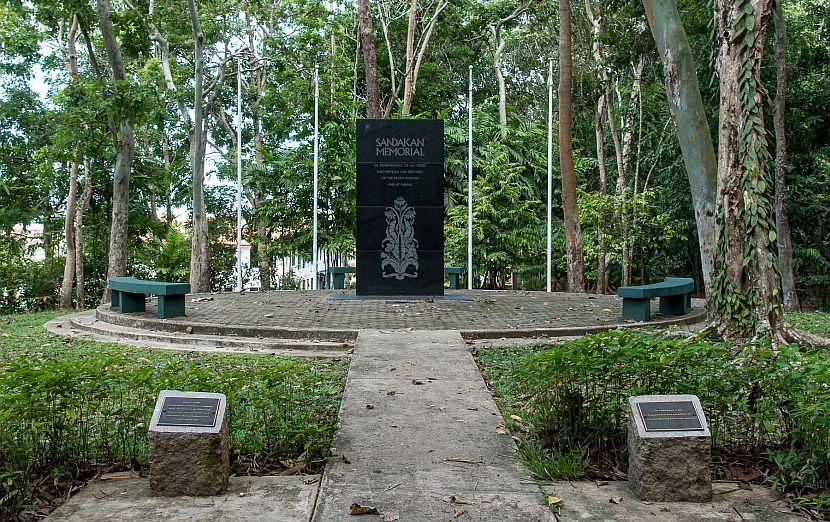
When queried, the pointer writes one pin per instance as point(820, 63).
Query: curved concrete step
point(86, 324)
point(183, 325)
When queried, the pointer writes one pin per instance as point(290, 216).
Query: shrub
point(759, 401)
point(25, 284)
point(69, 407)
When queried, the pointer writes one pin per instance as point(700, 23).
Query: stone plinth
point(665, 461)
point(189, 444)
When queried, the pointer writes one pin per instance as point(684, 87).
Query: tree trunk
point(86, 195)
point(495, 29)
point(747, 286)
point(71, 199)
point(200, 244)
point(409, 71)
point(638, 93)
point(68, 232)
point(125, 148)
point(573, 232)
point(602, 256)
point(782, 221)
point(686, 106)
point(168, 197)
point(370, 60)
point(259, 82)
point(622, 184)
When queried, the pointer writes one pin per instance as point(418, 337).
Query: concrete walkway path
point(419, 437)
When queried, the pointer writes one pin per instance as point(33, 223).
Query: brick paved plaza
point(487, 310)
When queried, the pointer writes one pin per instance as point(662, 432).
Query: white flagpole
point(314, 283)
point(550, 166)
point(470, 184)
point(238, 174)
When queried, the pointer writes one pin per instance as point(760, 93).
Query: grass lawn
point(768, 409)
point(814, 322)
point(70, 408)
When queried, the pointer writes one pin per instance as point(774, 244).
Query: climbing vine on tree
point(747, 282)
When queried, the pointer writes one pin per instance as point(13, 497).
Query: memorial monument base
point(401, 298)
point(188, 456)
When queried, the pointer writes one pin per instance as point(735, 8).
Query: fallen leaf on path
point(357, 509)
point(463, 461)
point(390, 517)
point(501, 430)
point(189, 329)
point(553, 501)
point(455, 499)
point(408, 329)
point(601, 483)
point(459, 511)
point(241, 493)
point(615, 500)
point(269, 316)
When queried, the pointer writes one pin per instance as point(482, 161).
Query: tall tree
point(597, 51)
point(573, 232)
point(782, 221)
point(125, 149)
point(747, 285)
point(200, 242)
point(415, 53)
point(83, 203)
point(71, 60)
point(498, 41)
point(370, 60)
point(686, 106)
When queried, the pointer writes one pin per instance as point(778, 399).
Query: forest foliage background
point(64, 130)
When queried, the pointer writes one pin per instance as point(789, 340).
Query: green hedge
point(69, 406)
point(572, 397)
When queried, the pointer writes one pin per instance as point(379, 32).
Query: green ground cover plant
point(767, 408)
point(70, 408)
point(814, 322)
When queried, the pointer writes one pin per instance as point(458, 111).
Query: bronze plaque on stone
point(669, 416)
point(197, 412)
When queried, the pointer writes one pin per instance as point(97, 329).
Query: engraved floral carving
point(399, 258)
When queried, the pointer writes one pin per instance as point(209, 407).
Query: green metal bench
point(128, 295)
point(338, 275)
point(454, 272)
point(675, 295)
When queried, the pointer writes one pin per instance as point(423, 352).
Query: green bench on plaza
point(454, 272)
point(675, 295)
point(128, 295)
point(338, 275)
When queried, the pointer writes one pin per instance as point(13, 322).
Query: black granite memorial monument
point(400, 207)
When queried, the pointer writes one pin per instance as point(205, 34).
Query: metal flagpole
point(550, 164)
point(470, 184)
point(238, 174)
point(314, 283)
